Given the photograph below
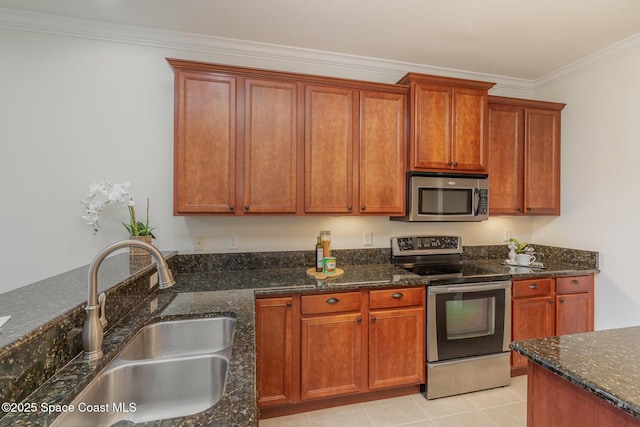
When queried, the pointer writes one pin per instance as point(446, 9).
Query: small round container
point(329, 265)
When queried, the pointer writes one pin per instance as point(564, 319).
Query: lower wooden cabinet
point(574, 304)
point(331, 355)
point(545, 307)
point(314, 347)
point(396, 337)
point(533, 315)
point(274, 323)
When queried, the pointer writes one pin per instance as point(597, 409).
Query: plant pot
point(135, 251)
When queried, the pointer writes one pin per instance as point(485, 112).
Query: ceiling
point(524, 39)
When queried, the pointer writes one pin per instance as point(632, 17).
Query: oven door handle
point(472, 288)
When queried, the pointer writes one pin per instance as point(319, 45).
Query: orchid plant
point(102, 193)
point(519, 247)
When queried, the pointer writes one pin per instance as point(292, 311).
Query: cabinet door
point(396, 347)
point(542, 162)
point(574, 313)
point(274, 320)
point(532, 318)
point(431, 127)
point(469, 145)
point(506, 159)
point(271, 147)
point(382, 153)
point(205, 144)
point(329, 149)
point(333, 361)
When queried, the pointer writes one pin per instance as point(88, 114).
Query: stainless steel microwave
point(440, 197)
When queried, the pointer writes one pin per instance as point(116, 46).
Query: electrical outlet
point(198, 244)
point(233, 243)
point(367, 238)
point(153, 280)
point(507, 234)
point(153, 305)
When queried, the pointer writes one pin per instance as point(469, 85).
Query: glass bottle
point(319, 257)
point(325, 240)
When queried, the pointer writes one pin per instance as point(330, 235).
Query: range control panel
point(425, 245)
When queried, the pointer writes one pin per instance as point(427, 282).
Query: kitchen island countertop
point(603, 363)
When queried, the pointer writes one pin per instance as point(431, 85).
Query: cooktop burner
point(439, 259)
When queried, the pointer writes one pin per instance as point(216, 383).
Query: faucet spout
point(92, 330)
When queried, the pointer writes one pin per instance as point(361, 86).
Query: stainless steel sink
point(180, 337)
point(149, 390)
point(169, 369)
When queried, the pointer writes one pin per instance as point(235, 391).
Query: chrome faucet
point(92, 330)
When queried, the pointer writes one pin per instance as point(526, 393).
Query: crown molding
point(608, 54)
point(390, 71)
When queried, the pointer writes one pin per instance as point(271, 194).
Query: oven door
point(468, 320)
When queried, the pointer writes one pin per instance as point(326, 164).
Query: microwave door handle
point(476, 202)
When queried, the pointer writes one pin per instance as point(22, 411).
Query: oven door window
point(469, 323)
point(445, 201)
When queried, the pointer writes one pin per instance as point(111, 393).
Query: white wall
point(600, 177)
point(76, 109)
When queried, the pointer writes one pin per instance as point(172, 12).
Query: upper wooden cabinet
point(251, 141)
point(524, 157)
point(271, 147)
point(382, 151)
point(205, 135)
point(329, 148)
point(354, 151)
point(237, 146)
point(448, 129)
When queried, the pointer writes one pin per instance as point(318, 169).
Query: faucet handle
point(102, 300)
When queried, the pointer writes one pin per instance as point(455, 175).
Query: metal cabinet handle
point(363, 207)
point(561, 300)
point(455, 163)
point(350, 207)
point(231, 207)
point(332, 301)
point(373, 319)
point(288, 305)
point(550, 301)
point(397, 295)
point(246, 207)
point(533, 286)
point(575, 282)
point(449, 163)
point(358, 320)
point(529, 209)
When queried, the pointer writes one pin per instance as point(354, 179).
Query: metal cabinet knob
point(332, 301)
point(246, 207)
point(231, 207)
point(363, 207)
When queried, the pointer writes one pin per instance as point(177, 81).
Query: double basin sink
point(168, 369)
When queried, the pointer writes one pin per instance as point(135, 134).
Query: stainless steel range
point(468, 316)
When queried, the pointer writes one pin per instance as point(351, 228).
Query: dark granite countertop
point(219, 293)
point(604, 363)
point(551, 268)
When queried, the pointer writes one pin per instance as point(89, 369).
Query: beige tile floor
point(501, 407)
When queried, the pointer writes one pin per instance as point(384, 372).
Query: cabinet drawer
point(532, 287)
point(574, 285)
point(392, 298)
point(330, 303)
